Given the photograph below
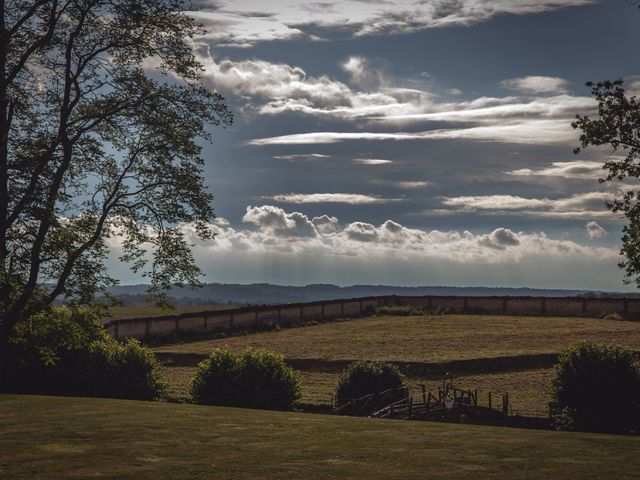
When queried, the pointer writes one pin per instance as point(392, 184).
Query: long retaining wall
point(289, 314)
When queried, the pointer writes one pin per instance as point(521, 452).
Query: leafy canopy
point(618, 127)
point(101, 109)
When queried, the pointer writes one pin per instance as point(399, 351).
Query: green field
point(55, 438)
point(425, 338)
point(428, 338)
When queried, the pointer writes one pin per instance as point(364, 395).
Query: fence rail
point(265, 315)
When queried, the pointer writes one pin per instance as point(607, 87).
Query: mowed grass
point(54, 438)
point(528, 390)
point(428, 338)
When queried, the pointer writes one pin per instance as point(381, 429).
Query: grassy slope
point(428, 338)
point(52, 438)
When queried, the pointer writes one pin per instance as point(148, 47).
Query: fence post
point(504, 305)
point(410, 405)
point(391, 411)
point(465, 305)
point(424, 394)
point(490, 401)
point(206, 319)
point(177, 324)
point(342, 309)
point(301, 313)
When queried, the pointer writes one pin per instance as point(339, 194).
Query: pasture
point(427, 338)
point(55, 437)
point(433, 342)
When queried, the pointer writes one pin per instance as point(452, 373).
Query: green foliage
point(64, 352)
point(252, 379)
point(618, 127)
point(596, 387)
point(363, 378)
point(102, 117)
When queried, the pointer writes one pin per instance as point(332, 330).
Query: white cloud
point(280, 223)
point(577, 169)
point(372, 161)
point(595, 231)
point(245, 22)
point(275, 88)
point(326, 224)
point(349, 198)
point(526, 132)
point(403, 184)
point(275, 230)
point(302, 156)
point(536, 84)
point(580, 205)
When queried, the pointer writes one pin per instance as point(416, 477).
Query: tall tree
point(618, 127)
point(101, 110)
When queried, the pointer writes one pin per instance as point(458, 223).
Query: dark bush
point(363, 378)
point(65, 352)
point(596, 387)
point(252, 379)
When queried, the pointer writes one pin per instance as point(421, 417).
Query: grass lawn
point(428, 338)
point(54, 438)
point(529, 390)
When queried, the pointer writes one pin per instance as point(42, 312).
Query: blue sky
point(411, 143)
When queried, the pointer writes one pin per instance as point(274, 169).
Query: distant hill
point(265, 294)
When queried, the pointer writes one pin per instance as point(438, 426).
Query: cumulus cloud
point(536, 84)
point(349, 198)
point(243, 23)
point(326, 224)
point(276, 230)
point(595, 231)
point(280, 223)
point(577, 169)
point(580, 205)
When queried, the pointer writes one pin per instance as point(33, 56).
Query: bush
point(252, 379)
point(65, 352)
point(596, 387)
point(363, 378)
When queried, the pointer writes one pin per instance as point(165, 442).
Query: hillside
point(264, 293)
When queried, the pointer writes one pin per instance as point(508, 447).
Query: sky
point(411, 142)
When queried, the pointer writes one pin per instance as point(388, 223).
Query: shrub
point(596, 387)
point(363, 378)
point(252, 379)
point(65, 352)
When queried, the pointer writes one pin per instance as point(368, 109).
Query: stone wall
point(267, 315)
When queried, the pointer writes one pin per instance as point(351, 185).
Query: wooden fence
point(289, 314)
